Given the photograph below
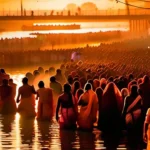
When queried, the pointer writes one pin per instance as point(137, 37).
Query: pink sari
point(68, 116)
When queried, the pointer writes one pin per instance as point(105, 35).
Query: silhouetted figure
point(132, 115)
point(26, 98)
point(111, 109)
point(45, 103)
point(88, 110)
point(8, 105)
point(68, 112)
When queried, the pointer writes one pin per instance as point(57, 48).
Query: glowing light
point(18, 140)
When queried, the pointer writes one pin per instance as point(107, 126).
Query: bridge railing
point(82, 12)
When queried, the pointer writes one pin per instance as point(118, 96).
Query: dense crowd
point(133, 53)
point(108, 89)
point(51, 40)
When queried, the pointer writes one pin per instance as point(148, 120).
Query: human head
point(58, 71)
point(134, 90)
point(52, 79)
point(5, 82)
point(51, 69)
point(99, 92)
point(124, 92)
point(145, 79)
point(46, 72)
point(67, 88)
point(70, 79)
point(2, 71)
point(36, 73)
point(41, 70)
point(10, 80)
point(87, 86)
point(41, 84)
point(25, 80)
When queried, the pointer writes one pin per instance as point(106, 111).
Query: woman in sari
point(7, 103)
point(89, 106)
point(111, 108)
point(68, 111)
point(45, 103)
point(27, 99)
point(132, 116)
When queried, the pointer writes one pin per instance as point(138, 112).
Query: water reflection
point(18, 133)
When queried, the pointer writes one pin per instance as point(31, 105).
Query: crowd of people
point(84, 95)
point(51, 40)
point(109, 89)
point(135, 51)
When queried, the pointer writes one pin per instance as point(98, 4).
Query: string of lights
point(140, 7)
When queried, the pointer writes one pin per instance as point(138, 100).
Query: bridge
point(138, 23)
point(89, 18)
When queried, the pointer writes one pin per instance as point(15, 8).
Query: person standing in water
point(45, 103)
point(26, 98)
point(8, 104)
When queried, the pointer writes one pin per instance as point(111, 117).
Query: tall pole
point(128, 13)
point(21, 9)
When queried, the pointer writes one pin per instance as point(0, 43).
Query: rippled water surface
point(18, 133)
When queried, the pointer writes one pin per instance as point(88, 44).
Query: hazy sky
point(56, 4)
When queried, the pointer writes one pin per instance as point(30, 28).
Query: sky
point(57, 4)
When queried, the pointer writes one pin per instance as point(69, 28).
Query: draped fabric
point(68, 116)
point(45, 103)
point(27, 106)
point(87, 115)
point(111, 108)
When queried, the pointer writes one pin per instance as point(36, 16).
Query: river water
point(85, 27)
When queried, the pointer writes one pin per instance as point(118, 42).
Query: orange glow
point(55, 4)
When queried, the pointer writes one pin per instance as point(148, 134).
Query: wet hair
point(41, 84)
point(87, 86)
point(67, 90)
point(52, 79)
point(25, 80)
point(5, 82)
